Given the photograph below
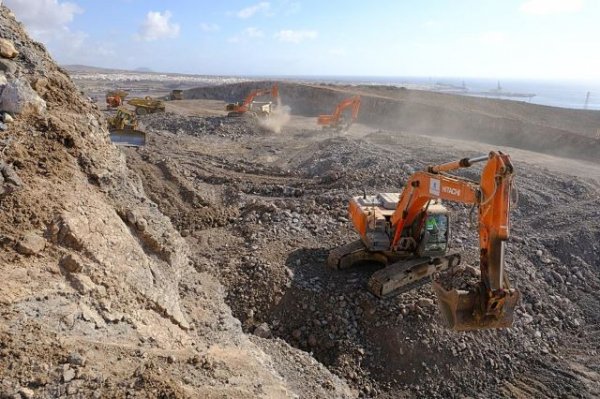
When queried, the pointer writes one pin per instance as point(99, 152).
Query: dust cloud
point(278, 118)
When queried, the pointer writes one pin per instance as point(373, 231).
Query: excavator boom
point(492, 304)
point(238, 109)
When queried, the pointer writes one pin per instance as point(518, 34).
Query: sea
point(564, 94)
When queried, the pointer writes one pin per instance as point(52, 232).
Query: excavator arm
point(493, 303)
point(334, 120)
point(273, 91)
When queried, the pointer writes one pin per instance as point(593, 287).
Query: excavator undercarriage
point(398, 275)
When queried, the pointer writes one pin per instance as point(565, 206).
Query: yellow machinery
point(146, 105)
point(123, 129)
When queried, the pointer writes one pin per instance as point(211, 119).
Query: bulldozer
point(123, 129)
point(146, 105)
point(259, 109)
point(338, 121)
point(408, 233)
point(114, 99)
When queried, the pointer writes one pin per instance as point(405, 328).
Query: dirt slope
point(98, 296)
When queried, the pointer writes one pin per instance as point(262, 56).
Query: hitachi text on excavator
point(409, 233)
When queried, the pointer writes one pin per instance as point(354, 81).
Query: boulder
point(262, 330)
point(6, 118)
point(425, 302)
point(31, 244)
point(7, 49)
point(18, 96)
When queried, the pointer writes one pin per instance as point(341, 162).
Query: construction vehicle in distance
point(115, 98)
point(409, 233)
point(249, 106)
point(123, 129)
point(338, 121)
point(176, 95)
point(146, 105)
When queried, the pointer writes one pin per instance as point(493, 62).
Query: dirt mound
point(99, 298)
point(563, 132)
point(199, 126)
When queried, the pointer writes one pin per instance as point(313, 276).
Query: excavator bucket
point(128, 137)
point(472, 310)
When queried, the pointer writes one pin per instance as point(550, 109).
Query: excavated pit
point(136, 272)
point(285, 198)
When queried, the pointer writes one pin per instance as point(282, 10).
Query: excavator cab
point(435, 234)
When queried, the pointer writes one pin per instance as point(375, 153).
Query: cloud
point(156, 26)
point(208, 27)
point(44, 16)
point(48, 21)
point(248, 12)
point(295, 36)
point(546, 7)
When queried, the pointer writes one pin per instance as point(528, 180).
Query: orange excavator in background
point(249, 105)
point(337, 121)
point(115, 98)
point(409, 233)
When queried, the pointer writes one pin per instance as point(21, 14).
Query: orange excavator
point(249, 105)
point(409, 234)
point(114, 99)
point(337, 121)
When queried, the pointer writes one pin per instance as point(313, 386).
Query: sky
point(496, 39)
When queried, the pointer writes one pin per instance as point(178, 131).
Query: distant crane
point(587, 100)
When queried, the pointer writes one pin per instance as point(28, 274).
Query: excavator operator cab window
point(436, 228)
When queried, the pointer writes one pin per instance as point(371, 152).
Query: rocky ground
point(195, 266)
point(261, 211)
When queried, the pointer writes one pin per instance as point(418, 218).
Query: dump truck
point(146, 105)
point(176, 95)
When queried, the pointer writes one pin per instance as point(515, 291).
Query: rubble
point(292, 210)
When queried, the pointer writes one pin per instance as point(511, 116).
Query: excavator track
point(406, 275)
point(347, 255)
